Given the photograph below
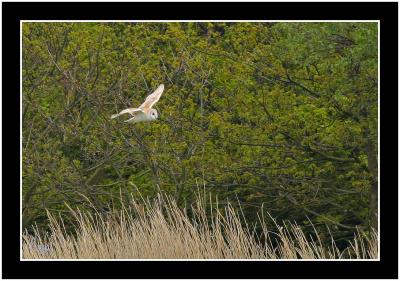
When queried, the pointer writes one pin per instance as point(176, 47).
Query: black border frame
point(387, 13)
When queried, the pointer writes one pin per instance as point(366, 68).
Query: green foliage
point(279, 114)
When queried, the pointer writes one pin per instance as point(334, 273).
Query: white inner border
point(150, 21)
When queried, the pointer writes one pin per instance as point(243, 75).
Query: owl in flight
point(145, 112)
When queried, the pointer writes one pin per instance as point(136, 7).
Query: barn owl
point(145, 112)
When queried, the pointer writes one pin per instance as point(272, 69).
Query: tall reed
point(159, 229)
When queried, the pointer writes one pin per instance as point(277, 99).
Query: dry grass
point(161, 230)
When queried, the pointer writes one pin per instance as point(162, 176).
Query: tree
point(279, 114)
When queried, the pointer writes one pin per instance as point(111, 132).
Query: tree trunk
point(373, 169)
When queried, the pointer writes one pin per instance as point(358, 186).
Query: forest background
point(281, 117)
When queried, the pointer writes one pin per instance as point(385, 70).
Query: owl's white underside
point(141, 117)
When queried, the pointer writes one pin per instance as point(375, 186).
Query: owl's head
point(153, 114)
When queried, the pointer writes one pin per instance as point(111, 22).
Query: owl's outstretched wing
point(128, 110)
point(152, 99)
